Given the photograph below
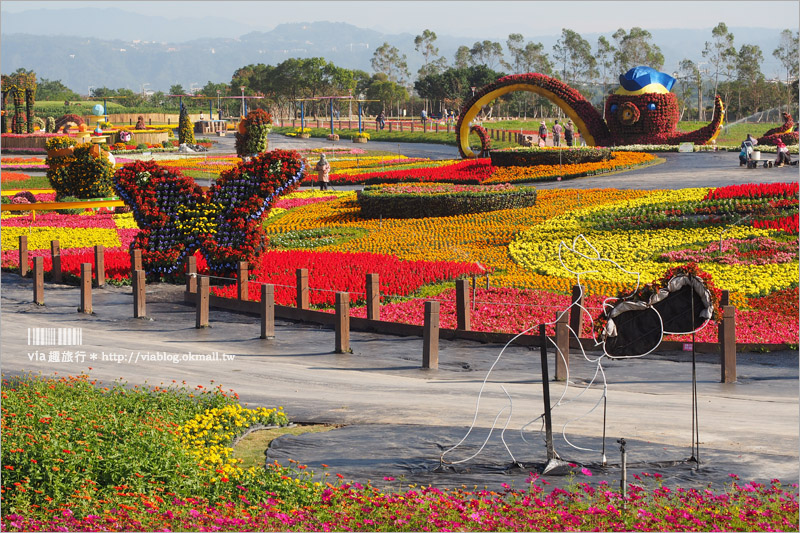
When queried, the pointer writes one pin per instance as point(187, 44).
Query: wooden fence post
point(430, 336)
point(136, 260)
point(100, 264)
point(243, 275)
point(727, 339)
point(576, 312)
point(55, 257)
point(342, 322)
point(267, 311)
point(191, 274)
point(302, 288)
point(562, 341)
point(201, 303)
point(23, 255)
point(139, 302)
point(86, 289)
point(373, 297)
point(463, 318)
point(38, 280)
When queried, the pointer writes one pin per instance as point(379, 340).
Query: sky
point(490, 18)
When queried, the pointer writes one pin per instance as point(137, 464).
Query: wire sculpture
point(635, 328)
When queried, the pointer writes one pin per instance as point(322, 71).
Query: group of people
point(567, 131)
point(782, 152)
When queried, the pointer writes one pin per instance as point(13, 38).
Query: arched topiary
point(64, 122)
point(50, 125)
point(39, 121)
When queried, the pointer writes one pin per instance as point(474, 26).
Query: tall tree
point(605, 65)
point(787, 54)
point(177, 89)
point(424, 44)
point(576, 58)
point(635, 48)
point(720, 52)
point(463, 58)
point(689, 78)
point(388, 60)
point(489, 53)
point(750, 79)
point(527, 57)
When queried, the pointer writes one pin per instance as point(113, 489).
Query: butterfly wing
point(244, 195)
point(163, 202)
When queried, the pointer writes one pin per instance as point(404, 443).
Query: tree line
point(593, 69)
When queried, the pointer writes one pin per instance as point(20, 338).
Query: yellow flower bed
point(208, 437)
point(540, 172)
point(125, 221)
point(537, 249)
point(39, 237)
point(481, 237)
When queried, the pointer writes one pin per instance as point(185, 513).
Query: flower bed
point(63, 471)
point(522, 157)
point(619, 161)
point(329, 272)
point(440, 200)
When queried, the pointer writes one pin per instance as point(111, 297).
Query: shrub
point(185, 128)
point(524, 157)
point(84, 172)
point(141, 146)
point(70, 210)
point(50, 125)
point(253, 139)
point(166, 144)
point(440, 199)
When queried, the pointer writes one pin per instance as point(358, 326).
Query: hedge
point(374, 202)
point(524, 157)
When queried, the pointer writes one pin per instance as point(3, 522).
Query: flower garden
point(63, 470)
point(61, 464)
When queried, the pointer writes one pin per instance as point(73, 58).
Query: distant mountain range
point(118, 49)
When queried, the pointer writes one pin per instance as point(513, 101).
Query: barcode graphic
point(55, 336)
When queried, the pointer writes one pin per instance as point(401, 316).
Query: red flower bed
point(329, 272)
point(467, 171)
point(117, 263)
point(788, 224)
point(754, 190)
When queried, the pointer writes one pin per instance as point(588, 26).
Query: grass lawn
point(251, 448)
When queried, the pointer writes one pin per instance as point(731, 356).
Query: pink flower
point(586, 472)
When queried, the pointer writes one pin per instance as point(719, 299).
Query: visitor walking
point(381, 119)
point(323, 169)
point(557, 134)
point(423, 116)
point(542, 134)
point(568, 133)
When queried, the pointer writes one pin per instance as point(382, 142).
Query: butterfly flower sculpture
point(225, 223)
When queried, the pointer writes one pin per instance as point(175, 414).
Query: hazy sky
point(468, 18)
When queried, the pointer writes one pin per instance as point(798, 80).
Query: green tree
point(54, 90)
point(787, 53)
point(388, 60)
point(489, 53)
point(177, 89)
point(527, 57)
point(750, 79)
point(389, 93)
point(576, 58)
point(690, 81)
point(424, 44)
point(463, 57)
point(721, 53)
point(635, 48)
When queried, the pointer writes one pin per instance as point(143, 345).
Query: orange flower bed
point(618, 161)
point(8, 176)
point(477, 237)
